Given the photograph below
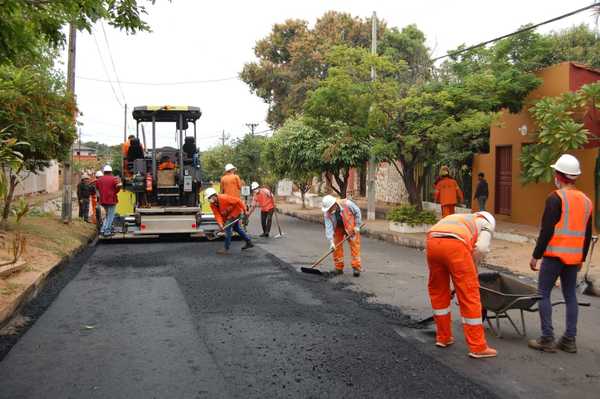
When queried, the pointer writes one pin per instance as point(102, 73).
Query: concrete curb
point(32, 291)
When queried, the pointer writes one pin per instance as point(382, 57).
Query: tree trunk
point(9, 197)
point(342, 183)
point(412, 186)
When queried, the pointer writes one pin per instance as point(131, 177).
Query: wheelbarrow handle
point(587, 304)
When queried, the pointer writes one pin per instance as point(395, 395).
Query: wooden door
point(503, 180)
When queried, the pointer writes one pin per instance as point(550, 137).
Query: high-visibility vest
point(347, 217)
point(460, 224)
point(569, 233)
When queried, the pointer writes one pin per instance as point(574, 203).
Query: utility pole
point(125, 125)
point(224, 138)
point(67, 207)
point(372, 165)
point(252, 126)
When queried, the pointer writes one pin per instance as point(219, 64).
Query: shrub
point(410, 215)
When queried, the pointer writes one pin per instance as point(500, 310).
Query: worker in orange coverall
point(447, 192)
point(454, 246)
point(342, 218)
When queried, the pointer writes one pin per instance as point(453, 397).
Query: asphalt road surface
point(175, 320)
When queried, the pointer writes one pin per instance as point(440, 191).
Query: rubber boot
point(544, 344)
point(248, 245)
point(336, 272)
point(356, 273)
point(567, 344)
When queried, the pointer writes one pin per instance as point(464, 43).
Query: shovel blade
point(426, 321)
point(311, 270)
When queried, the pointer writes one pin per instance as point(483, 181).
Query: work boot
point(444, 344)
point(567, 344)
point(356, 273)
point(222, 251)
point(487, 352)
point(337, 272)
point(248, 245)
point(544, 344)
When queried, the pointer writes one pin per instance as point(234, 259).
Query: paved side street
point(173, 319)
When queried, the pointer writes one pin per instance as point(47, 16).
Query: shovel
point(278, 225)
point(430, 318)
point(587, 290)
point(313, 269)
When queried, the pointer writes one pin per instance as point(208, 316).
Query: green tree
point(35, 108)
point(559, 129)
point(291, 60)
point(214, 160)
point(290, 154)
point(247, 157)
point(27, 27)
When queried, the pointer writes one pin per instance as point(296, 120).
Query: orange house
point(510, 199)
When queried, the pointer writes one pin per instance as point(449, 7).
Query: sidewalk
point(512, 246)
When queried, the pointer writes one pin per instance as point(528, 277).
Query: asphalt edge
point(31, 292)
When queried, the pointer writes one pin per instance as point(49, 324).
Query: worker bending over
point(231, 184)
point(342, 218)
point(454, 245)
point(563, 242)
point(447, 192)
point(227, 211)
point(263, 198)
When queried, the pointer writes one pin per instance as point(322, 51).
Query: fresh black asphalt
point(175, 320)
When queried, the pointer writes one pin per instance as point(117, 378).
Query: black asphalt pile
point(176, 318)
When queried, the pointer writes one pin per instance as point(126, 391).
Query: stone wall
point(389, 185)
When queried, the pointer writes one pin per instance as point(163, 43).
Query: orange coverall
point(231, 184)
point(448, 194)
point(350, 215)
point(227, 208)
point(451, 258)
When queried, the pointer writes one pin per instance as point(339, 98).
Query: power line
point(161, 83)
point(106, 70)
point(453, 53)
point(112, 61)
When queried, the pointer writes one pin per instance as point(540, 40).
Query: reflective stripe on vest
point(569, 233)
point(463, 225)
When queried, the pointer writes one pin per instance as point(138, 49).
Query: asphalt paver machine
point(166, 183)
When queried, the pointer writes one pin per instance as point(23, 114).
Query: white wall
point(46, 180)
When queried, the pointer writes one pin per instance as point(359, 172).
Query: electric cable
point(112, 61)
point(528, 28)
point(106, 70)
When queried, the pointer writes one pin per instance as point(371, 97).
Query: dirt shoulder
point(48, 242)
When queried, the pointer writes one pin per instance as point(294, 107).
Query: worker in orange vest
point(231, 184)
point(454, 246)
point(228, 211)
point(563, 245)
point(263, 198)
point(343, 218)
point(447, 192)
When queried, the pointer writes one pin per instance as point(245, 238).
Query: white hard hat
point(85, 176)
point(99, 173)
point(229, 167)
point(107, 168)
point(254, 185)
point(568, 165)
point(489, 217)
point(328, 202)
point(209, 192)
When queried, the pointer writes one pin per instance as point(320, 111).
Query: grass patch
point(10, 288)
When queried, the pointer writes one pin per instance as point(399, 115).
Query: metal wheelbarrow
point(501, 293)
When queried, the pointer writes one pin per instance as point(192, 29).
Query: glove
point(332, 245)
point(357, 230)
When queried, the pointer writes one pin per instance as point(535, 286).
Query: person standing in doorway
point(447, 192)
point(108, 186)
point(563, 245)
point(231, 184)
point(263, 198)
point(481, 192)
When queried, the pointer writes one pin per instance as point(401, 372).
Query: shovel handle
point(231, 223)
point(322, 258)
